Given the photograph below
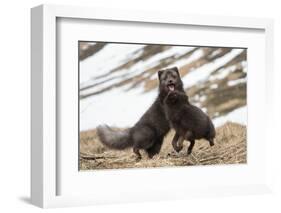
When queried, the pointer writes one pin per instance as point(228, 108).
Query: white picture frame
point(44, 154)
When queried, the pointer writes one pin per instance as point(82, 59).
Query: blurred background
point(118, 82)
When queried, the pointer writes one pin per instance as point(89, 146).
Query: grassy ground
point(230, 148)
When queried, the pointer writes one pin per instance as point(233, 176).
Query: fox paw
point(178, 148)
point(137, 158)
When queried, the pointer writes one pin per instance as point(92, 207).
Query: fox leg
point(189, 137)
point(180, 143)
point(211, 141)
point(137, 152)
point(189, 150)
point(155, 148)
point(175, 141)
point(143, 138)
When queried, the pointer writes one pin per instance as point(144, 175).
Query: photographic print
point(155, 105)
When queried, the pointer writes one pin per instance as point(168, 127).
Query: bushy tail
point(114, 139)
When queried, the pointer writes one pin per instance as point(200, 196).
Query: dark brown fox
point(189, 121)
point(148, 133)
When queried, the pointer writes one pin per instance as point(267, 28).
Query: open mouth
point(171, 87)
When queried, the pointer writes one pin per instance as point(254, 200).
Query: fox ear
point(160, 72)
point(176, 70)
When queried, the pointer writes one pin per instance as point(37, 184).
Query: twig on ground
point(91, 157)
point(209, 159)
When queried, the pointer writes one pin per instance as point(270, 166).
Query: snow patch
point(115, 108)
point(238, 116)
point(99, 64)
point(117, 77)
point(214, 86)
point(237, 81)
point(204, 71)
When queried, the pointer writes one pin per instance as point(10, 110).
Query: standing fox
point(189, 121)
point(148, 133)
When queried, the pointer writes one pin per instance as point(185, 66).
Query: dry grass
point(230, 148)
